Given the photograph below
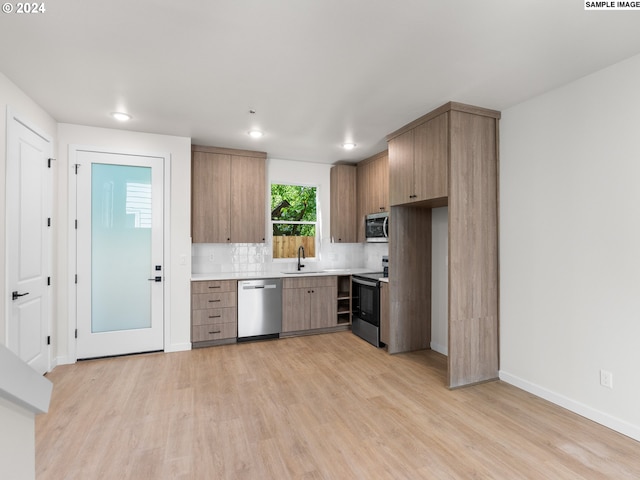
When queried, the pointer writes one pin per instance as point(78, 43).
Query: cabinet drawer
point(310, 282)
point(211, 316)
point(203, 333)
point(201, 301)
point(214, 286)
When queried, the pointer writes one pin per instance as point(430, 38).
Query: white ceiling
point(317, 72)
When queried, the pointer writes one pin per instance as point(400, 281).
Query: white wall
point(17, 442)
point(20, 104)
point(440, 280)
point(179, 149)
point(570, 245)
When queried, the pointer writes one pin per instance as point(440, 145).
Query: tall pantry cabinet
point(448, 157)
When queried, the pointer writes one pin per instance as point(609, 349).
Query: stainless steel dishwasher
point(259, 309)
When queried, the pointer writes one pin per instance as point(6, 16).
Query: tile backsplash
point(257, 257)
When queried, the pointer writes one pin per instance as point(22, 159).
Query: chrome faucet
point(300, 248)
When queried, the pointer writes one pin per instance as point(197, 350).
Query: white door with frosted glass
point(120, 268)
point(28, 242)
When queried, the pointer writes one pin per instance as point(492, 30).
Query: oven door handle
point(368, 283)
point(385, 224)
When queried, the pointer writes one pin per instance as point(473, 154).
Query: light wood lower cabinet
point(309, 303)
point(214, 314)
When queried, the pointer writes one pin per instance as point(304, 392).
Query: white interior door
point(28, 243)
point(120, 285)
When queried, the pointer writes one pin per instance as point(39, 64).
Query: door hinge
point(76, 334)
point(49, 162)
point(48, 221)
point(49, 340)
point(76, 167)
point(76, 223)
point(48, 281)
point(76, 278)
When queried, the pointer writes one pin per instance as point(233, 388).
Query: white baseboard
point(581, 409)
point(64, 360)
point(443, 349)
point(177, 347)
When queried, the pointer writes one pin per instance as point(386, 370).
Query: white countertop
point(251, 275)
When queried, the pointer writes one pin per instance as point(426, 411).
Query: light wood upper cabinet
point(401, 172)
point(228, 195)
point(418, 162)
point(211, 198)
point(343, 204)
point(431, 152)
point(248, 197)
point(373, 188)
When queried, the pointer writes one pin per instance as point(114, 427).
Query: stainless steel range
point(365, 318)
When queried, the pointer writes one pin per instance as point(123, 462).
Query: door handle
point(15, 295)
point(155, 279)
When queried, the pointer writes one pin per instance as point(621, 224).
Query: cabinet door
point(343, 204)
point(362, 187)
point(401, 175)
point(295, 309)
point(379, 184)
point(323, 307)
point(210, 194)
point(248, 197)
point(431, 158)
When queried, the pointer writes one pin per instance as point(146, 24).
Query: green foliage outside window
point(293, 203)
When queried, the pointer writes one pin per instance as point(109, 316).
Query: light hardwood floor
point(317, 407)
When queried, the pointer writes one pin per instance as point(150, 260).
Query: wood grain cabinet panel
point(418, 162)
point(401, 172)
point(248, 199)
point(455, 163)
point(373, 188)
point(228, 195)
point(214, 314)
point(211, 198)
point(431, 152)
point(309, 303)
point(343, 204)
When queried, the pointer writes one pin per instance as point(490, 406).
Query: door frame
point(72, 258)
point(11, 117)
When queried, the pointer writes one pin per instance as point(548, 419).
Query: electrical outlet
point(606, 379)
point(211, 257)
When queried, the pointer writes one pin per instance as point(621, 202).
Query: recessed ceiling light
point(121, 117)
point(255, 133)
point(348, 146)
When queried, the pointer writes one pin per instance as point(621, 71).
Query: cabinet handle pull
point(213, 301)
point(215, 331)
point(217, 286)
point(215, 316)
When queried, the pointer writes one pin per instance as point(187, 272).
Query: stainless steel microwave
point(376, 227)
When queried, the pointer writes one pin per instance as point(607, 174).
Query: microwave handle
point(384, 227)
